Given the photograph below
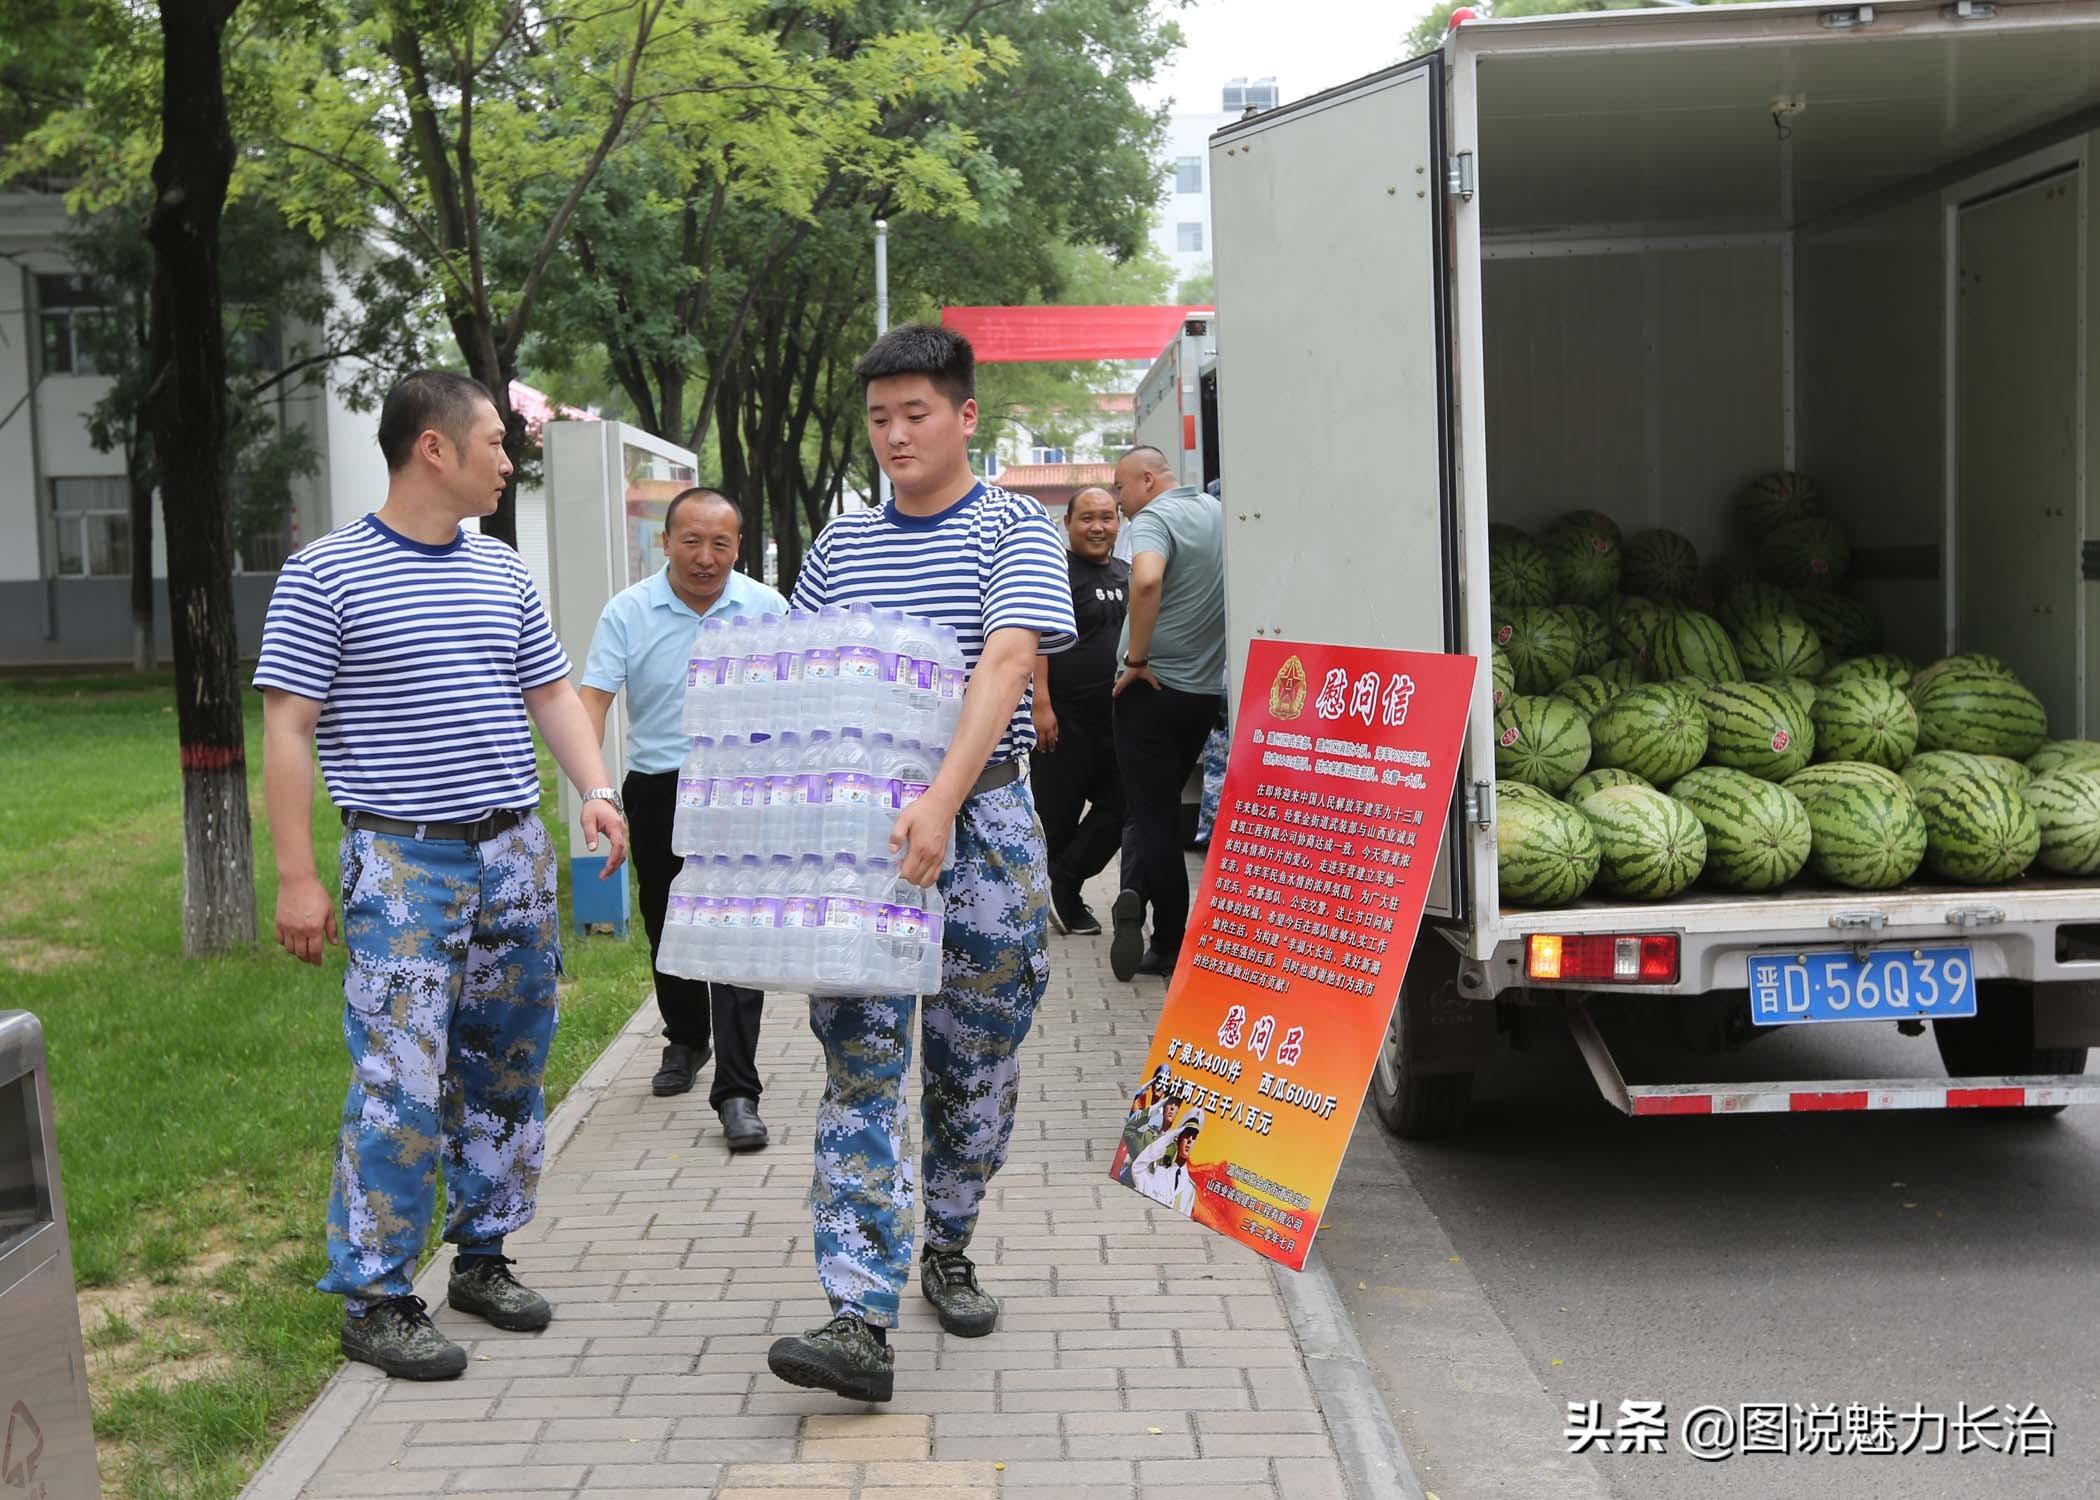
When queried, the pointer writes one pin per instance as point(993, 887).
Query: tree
point(187, 399)
point(1199, 289)
point(1428, 33)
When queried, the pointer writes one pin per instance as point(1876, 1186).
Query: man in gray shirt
point(1168, 695)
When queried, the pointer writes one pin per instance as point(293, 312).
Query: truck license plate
point(1889, 984)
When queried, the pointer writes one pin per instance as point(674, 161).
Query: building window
point(1242, 95)
point(984, 462)
point(1048, 456)
point(1188, 174)
point(1188, 237)
point(92, 522)
point(64, 305)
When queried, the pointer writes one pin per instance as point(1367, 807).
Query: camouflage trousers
point(1214, 751)
point(995, 967)
point(450, 1008)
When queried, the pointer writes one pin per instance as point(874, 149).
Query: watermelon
point(1650, 847)
point(1862, 835)
point(1540, 646)
point(1977, 829)
point(1583, 551)
point(1587, 694)
point(1593, 642)
point(1986, 715)
point(2011, 772)
point(1757, 834)
point(1518, 573)
point(1620, 674)
point(1596, 781)
point(1545, 851)
point(1502, 531)
point(1810, 553)
point(1747, 603)
point(1542, 741)
point(1634, 623)
point(1661, 565)
point(1921, 771)
point(1800, 689)
point(1973, 663)
point(2065, 755)
point(1502, 677)
point(1773, 501)
point(2066, 808)
point(1778, 645)
point(1883, 665)
point(1656, 731)
point(1844, 625)
point(1689, 644)
point(1726, 574)
point(1865, 718)
point(1815, 780)
point(1754, 727)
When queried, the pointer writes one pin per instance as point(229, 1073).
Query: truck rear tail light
point(1602, 958)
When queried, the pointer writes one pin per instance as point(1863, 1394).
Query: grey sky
point(1308, 45)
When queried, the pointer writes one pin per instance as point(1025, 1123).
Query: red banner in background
point(1335, 802)
point(1018, 335)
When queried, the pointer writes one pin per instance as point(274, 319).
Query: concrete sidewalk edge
point(353, 1388)
point(1366, 1440)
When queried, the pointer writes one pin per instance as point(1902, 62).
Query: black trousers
point(1159, 738)
point(689, 1006)
point(1079, 789)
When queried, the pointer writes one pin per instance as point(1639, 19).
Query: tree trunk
point(138, 470)
point(187, 397)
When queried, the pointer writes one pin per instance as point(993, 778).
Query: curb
point(1374, 1460)
point(354, 1387)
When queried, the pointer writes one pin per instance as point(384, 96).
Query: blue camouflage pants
point(450, 1007)
point(1214, 753)
point(995, 967)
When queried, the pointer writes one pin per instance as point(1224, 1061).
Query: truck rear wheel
point(1998, 1041)
point(1414, 1105)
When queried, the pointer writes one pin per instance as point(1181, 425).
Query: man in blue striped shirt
point(989, 563)
point(415, 653)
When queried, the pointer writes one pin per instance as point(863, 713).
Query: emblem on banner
point(1287, 692)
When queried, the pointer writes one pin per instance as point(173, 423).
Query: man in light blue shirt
point(642, 643)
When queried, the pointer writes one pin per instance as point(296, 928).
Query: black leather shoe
point(741, 1126)
point(1125, 947)
point(1156, 964)
point(674, 1075)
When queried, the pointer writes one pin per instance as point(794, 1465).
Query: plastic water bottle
point(911, 771)
point(808, 823)
point(954, 681)
point(935, 912)
point(820, 668)
point(882, 804)
point(849, 795)
point(768, 909)
point(861, 689)
point(707, 917)
point(904, 926)
point(777, 828)
point(842, 939)
point(801, 918)
point(790, 641)
point(738, 880)
point(689, 824)
point(676, 950)
point(761, 675)
point(703, 678)
point(918, 677)
point(879, 886)
point(747, 774)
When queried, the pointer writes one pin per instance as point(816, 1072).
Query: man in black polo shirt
point(1078, 790)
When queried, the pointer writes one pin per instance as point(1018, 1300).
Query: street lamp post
point(882, 321)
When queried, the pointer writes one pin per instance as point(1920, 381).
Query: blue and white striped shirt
point(991, 561)
point(420, 656)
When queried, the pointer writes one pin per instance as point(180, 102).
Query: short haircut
point(426, 399)
point(700, 492)
point(940, 354)
point(1153, 460)
point(1072, 505)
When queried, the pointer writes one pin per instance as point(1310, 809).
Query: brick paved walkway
point(1138, 1358)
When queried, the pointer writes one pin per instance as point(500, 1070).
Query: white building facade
point(1181, 228)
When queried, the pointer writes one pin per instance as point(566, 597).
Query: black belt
point(999, 773)
point(500, 821)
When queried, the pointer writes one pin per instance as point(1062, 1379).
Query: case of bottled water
point(811, 733)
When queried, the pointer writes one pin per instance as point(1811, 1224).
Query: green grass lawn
point(196, 1101)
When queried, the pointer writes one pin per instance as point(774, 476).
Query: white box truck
point(1630, 261)
point(1177, 402)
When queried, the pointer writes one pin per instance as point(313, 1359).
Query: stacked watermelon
point(1658, 723)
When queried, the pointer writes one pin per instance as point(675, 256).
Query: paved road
point(1557, 1252)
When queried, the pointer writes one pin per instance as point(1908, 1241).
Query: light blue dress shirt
point(642, 643)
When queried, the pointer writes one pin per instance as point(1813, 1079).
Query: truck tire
point(1414, 1105)
point(1998, 1041)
